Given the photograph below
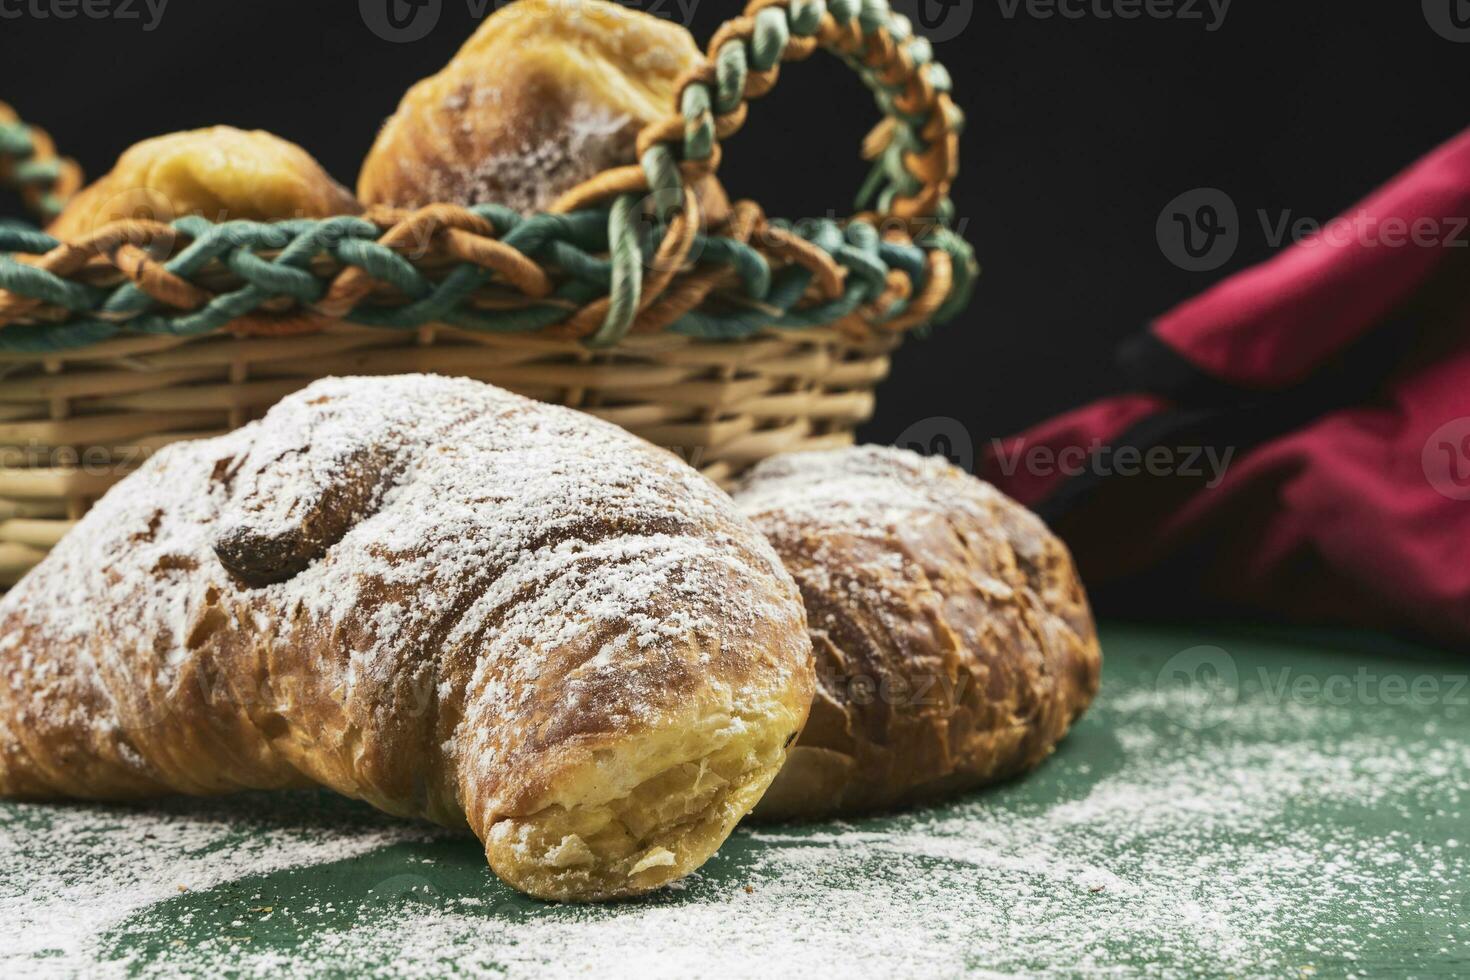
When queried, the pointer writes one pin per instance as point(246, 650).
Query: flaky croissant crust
point(433, 595)
point(954, 641)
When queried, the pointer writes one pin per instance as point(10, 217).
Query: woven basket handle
point(916, 147)
point(30, 167)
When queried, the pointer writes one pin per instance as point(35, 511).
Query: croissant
point(221, 173)
point(429, 594)
point(546, 94)
point(954, 642)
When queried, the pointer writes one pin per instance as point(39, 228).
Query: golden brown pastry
point(220, 173)
point(546, 94)
point(438, 597)
point(954, 642)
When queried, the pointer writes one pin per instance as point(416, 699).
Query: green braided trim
point(574, 244)
point(597, 253)
point(16, 145)
point(774, 29)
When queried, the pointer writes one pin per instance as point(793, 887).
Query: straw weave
point(725, 338)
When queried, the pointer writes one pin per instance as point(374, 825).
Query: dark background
point(1081, 131)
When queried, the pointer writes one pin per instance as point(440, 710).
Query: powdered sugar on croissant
point(433, 595)
point(954, 642)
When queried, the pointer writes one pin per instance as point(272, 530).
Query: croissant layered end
point(629, 823)
point(512, 617)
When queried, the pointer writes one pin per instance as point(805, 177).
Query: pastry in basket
point(546, 94)
point(433, 595)
point(220, 173)
point(954, 642)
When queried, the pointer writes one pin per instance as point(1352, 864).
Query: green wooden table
point(1248, 803)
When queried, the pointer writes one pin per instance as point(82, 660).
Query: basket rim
point(630, 251)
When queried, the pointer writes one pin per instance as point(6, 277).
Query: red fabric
point(1359, 516)
point(1012, 461)
point(1270, 326)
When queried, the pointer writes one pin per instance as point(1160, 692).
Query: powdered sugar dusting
point(493, 538)
point(862, 489)
point(1262, 839)
point(539, 165)
point(68, 874)
point(1181, 861)
point(816, 504)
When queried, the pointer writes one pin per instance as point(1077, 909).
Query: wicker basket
point(726, 338)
